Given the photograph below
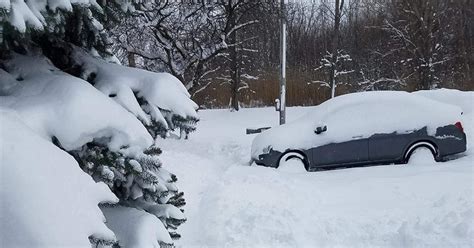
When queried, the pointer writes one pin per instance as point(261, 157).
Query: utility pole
point(281, 103)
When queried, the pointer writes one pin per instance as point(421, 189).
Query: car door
point(389, 147)
point(344, 153)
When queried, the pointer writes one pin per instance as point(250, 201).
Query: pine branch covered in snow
point(109, 143)
point(84, 23)
point(138, 181)
point(108, 123)
point(159, 100)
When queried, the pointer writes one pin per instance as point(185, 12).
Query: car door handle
point(357, 137)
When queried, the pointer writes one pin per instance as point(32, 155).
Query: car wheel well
point(295, 154)
point(421, 143)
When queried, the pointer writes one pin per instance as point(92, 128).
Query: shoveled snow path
point(231, 204)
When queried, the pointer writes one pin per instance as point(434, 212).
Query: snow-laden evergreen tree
point(73, 35)
point(138, 181)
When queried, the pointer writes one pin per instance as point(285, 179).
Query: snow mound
point(8, 83)
point(47, 201)
point(162, 92)
point(135, 228)
point(293, 165)
point(359, 115)
point(56, 104)
point(421, 156)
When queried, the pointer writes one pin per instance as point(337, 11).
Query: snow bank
point(8, 83)
point(47, 201)
point(389, 206)
point(359, 115)
point(135, 228)
point(161, 91)
point(56, 104)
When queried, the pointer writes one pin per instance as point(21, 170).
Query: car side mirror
point(320, 130)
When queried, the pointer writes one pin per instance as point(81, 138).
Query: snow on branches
point(159, 100)
point(109, 142)
point(336, 66)
point(22, 14)
point(47, 98)
point(109, 123)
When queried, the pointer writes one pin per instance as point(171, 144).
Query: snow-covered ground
point(232, 204)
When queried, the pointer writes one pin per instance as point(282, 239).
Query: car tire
point(421, 149)
point(290, 160)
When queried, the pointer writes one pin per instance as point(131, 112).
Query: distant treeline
point(227, 52)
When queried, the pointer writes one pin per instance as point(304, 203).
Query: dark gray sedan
point(363, 129)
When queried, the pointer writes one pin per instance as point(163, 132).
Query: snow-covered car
point(362, 129)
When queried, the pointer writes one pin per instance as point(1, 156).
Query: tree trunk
point(235, 71)
point(235, 79)
point(466, 41)
point(335, 42)
point(131, 60)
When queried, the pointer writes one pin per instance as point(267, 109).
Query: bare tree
point(226, 52)
point(338, 7)
point(184, 38)
point(340, 67)
point(418, 37)
point(332, 58)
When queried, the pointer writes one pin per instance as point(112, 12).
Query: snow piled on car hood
point(358, 115)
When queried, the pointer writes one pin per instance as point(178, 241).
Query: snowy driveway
point(231, 204)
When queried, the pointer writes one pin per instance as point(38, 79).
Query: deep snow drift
point(47, 200)
point(232, 204)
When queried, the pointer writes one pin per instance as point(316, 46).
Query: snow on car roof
point(358, 115)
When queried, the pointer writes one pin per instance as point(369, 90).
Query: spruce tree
point(55, 29)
